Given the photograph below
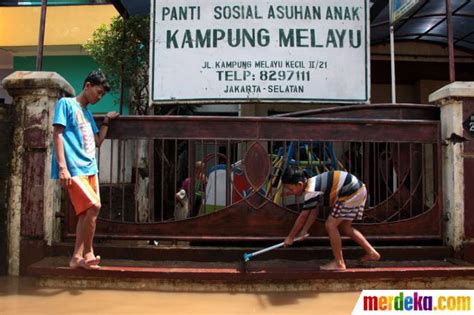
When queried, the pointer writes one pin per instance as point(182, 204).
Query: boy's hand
point(112, 115)
point(289, 241)
point(65, 177)
point(303, 235)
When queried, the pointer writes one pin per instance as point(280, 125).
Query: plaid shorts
point(351, 208)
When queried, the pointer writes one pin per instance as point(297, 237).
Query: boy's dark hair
point(97, 77)
point(293, 175)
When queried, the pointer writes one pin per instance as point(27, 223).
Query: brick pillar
point(31, 206)
point(456, 101)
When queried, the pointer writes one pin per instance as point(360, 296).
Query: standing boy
point(345, 194)
point(75, 136)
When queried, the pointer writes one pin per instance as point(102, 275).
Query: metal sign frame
point(164, 92)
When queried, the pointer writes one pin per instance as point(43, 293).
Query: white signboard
point(206, 51)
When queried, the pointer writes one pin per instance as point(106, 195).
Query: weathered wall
point(31, 206)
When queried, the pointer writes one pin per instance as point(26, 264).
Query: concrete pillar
point(31, 212)
point(456, 102)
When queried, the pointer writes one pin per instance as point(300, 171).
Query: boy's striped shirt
point(334, 185)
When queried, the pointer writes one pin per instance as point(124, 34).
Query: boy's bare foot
point(85, 265)
point(374, 256)
point(91, 260)
point(75, 262)
point(333, 266)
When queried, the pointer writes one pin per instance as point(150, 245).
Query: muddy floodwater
point(21, 296)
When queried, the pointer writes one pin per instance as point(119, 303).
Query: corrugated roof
point(426, 23)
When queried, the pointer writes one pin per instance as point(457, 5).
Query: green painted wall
point(74, 69)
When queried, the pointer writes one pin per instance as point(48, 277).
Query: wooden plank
point(268, 128)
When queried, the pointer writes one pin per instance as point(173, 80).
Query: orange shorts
point(84, 192)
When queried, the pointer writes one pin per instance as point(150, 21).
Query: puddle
point(20, 296)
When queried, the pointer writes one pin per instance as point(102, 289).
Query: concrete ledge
point(21, 80)
point(455, 89)
point(260, 275)
point(309, 285)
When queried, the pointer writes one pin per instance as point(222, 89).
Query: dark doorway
point(5, 144)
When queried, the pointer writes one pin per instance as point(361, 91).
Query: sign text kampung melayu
point(259, 50)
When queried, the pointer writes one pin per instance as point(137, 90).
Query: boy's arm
point(302, 224)
point(309, 221)
point(64, 175)
point(100, 136)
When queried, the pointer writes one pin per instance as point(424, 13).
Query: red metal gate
point(228, 169)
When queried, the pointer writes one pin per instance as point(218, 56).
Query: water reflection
point(22, 296)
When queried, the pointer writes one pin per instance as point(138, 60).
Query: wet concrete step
point(261, 275)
